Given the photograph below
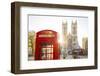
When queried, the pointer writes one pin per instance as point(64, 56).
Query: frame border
point(15, 37)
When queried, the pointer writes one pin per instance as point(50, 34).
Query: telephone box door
point(47, 52)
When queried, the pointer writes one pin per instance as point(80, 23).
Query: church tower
point(74, 34)
point(64, 34)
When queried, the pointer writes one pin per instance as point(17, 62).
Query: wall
point(5, 42)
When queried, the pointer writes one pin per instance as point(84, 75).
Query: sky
point(41, 22)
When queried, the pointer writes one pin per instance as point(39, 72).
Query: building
point(85, 45)
point(31, 43)
point(69, 44)
point(47, 47)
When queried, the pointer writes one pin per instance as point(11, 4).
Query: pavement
point(68, 57)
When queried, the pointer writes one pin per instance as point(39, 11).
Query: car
point(76, 51)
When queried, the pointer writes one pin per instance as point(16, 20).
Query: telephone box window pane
point(48, 45)
point(48, 50)
point(43, 53)
point(43, 50)
point(49, 56)
point(43, 56)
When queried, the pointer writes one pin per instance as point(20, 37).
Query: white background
point(5, 41)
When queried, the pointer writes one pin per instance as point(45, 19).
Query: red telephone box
point(47, 47)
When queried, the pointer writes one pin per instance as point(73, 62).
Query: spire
point(64, 22)
point(74, 21)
